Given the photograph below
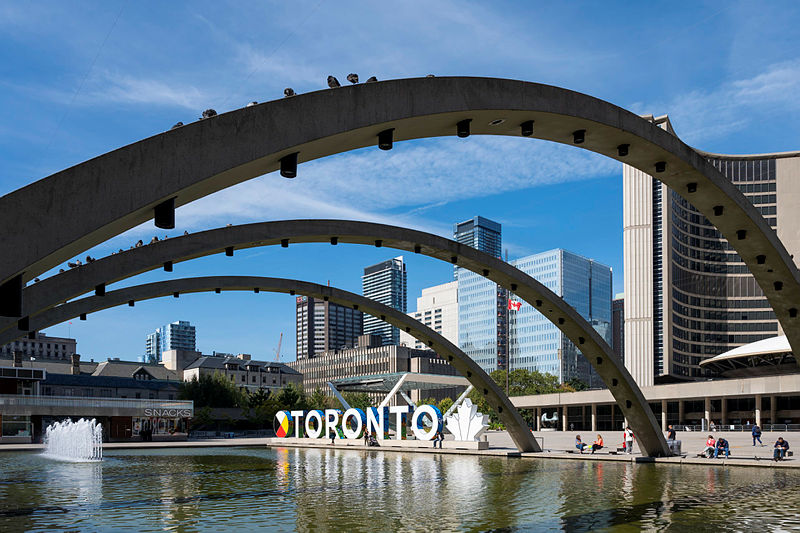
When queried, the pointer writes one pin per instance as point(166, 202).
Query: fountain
point(80, 441)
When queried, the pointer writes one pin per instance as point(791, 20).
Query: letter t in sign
point(297, 416)
point(399, 411)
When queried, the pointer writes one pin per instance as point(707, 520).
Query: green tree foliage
point(318, 400)
point(445, 404)
point(577, 384)
point(213, 391)
point(357, 400)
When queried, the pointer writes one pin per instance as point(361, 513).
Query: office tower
point(437, 308)
point(618, 326)
point(386, 283)
point(41, 347)
point(179, 335)
point(482, 312)
point(325, 326)
point(536, 343)
point(688, 294)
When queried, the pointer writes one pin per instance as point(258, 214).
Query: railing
point(737, 427)
point(7, 400)
point(249, 433)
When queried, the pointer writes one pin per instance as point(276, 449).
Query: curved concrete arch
point(53, 219)
point(517, 428)
point(77, 281)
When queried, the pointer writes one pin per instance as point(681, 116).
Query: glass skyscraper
point(385, 283)
point(536, 343)
point(481, 303)
point(179, 335)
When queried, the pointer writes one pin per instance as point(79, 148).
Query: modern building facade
point(688, 294)
point(41, 347)
point(386, 283)
point(437, 308)
point(324, 326)
point(369, 358)
point(618, 326)
point(482, 308)
point(538, 344)
point(179, 335)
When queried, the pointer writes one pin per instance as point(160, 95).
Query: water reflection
point(371, 490)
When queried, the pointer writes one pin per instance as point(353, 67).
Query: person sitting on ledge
point(597, 444)
point(722, 446)
point(711, 446)
point(580, 445)
point(780, 449)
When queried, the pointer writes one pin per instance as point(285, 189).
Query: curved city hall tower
point(688, 295)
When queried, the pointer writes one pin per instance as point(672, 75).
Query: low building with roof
point(245, 372)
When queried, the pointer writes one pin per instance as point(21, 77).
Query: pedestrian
point(597, 444)
point(757, 435)
point(366, 438)
point(711, 446)
point(628, 440)
point(780, 449)
point(670, 433)
point(438, 438)
point(712, 426)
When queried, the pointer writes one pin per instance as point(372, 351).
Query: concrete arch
point(53, 219)
point(128, 263)
point(517, 428)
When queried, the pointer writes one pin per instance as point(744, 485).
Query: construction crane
point(278, 351)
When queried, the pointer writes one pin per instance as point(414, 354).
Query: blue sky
point(78, 80)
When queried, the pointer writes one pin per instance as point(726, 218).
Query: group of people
point(370, 439)
point(596, 445)
point(715, 447)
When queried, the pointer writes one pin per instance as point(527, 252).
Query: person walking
point(628, 440)
point(757, 435)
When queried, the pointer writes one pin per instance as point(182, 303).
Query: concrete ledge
point(386, 443)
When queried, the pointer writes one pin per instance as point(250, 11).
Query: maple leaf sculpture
point(466, 423)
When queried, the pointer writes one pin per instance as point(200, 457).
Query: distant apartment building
point(482, 312)
point(386, 283)
point(41, 347)
point(437, 308)
point(179, 335)
point(618, 326)
point(688, 294)
point(323, 326)
point(537, 343)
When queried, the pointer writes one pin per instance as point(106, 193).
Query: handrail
point(8, 400)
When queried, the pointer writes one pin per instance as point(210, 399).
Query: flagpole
point(508, 335)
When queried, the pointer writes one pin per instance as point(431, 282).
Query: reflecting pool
point(285, 489)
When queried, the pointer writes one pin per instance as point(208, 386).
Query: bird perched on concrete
point(430, 76)
point(288, 92)
point(352, 78)
point(251, 104)
point(208, 113)
point(333, 82)
point(372, 79)
point(36, 280)
point(177, 125)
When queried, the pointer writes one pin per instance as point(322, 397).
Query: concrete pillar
point(663, 415)
point(564, 425)
point(707, 412)
point(681, 412)
point(613, 417)
point(758, 410)
point(538, 419)
point(594, 418)
point(773, 410)
point(724, 415)
point(583, 416)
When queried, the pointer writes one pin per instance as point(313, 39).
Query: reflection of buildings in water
point(282, 468)
point(78, 483)
point(186, 513)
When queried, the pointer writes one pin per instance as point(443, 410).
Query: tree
point(357, 400)
point(445, 404)
point(576, 384)
point(318, 400)
point(213, 391)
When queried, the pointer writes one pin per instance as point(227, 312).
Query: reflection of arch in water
point(151, 177)
point(508, 414)
point(166, 253)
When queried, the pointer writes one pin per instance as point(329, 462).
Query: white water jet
point(79, 441)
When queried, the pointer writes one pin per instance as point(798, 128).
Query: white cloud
point(132, 90)
point(703, 115)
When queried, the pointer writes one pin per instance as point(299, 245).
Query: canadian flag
point(513, 306)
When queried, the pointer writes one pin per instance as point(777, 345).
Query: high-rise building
point(178, 335)
point(482, 312)
point(385, 283)
point(325, 326)
point(437, 308)
point(618, 326)
point(538, 344)
point(688, 294)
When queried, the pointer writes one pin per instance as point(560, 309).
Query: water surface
point(283, 489)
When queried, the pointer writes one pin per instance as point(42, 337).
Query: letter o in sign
point(357, 414)
point(314, 415)
point(420, 433)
